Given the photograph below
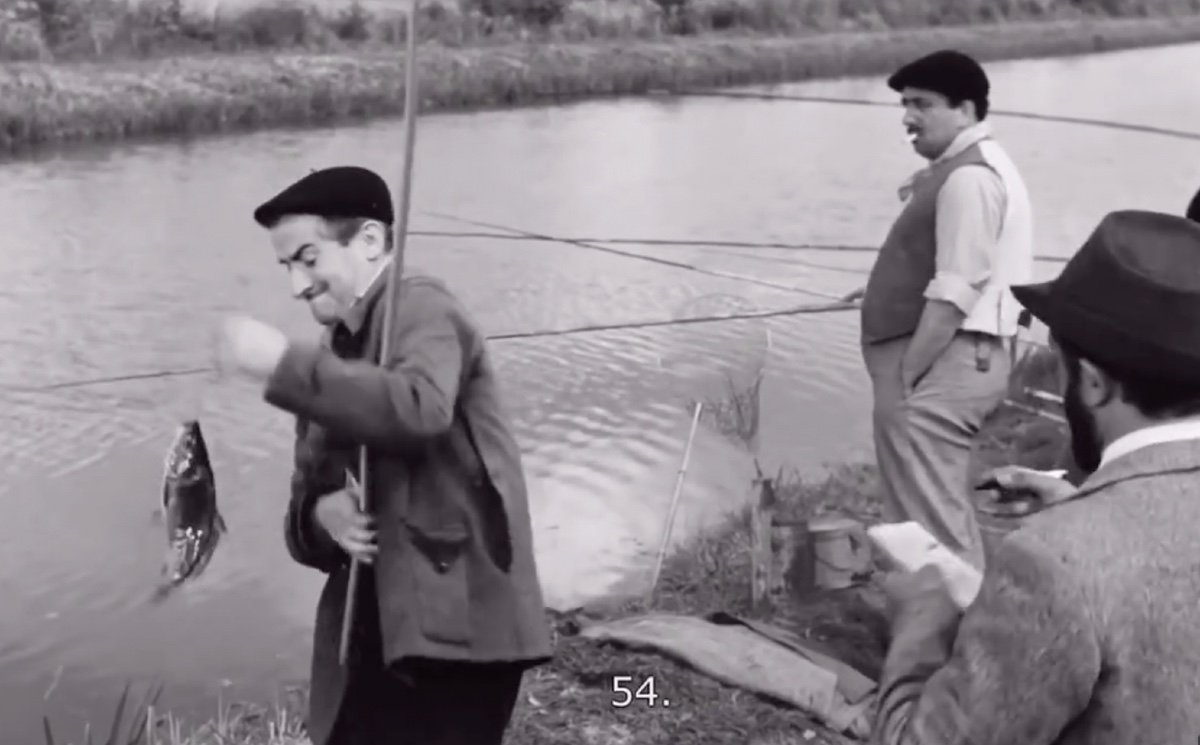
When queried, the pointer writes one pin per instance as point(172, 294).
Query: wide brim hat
point(1129, 299)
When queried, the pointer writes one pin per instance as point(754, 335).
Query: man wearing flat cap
point(1084, 629)
point(937, 313)
point(450, 612)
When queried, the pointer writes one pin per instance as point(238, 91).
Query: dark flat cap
point(1129, 299)
point(953, 74)
point(342, 191)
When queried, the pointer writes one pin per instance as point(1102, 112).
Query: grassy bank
point(316, 78)
point(567, 702)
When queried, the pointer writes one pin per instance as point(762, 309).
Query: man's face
point(933, 121)
point(324, 273)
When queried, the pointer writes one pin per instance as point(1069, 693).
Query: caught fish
point(189, 505)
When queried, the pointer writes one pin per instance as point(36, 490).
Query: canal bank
point(570, 700)
point(54, 103)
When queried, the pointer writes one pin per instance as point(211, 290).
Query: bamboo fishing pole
point(400, 233)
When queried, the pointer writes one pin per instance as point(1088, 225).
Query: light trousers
point(924, 440)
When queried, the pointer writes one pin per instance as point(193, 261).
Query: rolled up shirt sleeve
point(970, 210)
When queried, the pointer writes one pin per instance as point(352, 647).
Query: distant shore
point(45, 103)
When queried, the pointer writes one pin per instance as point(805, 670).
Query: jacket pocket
point(439, 572)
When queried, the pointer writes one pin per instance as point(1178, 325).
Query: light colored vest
point(895, 292)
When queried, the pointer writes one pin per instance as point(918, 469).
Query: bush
point(74, 29)
point(22, 41)
point(536, 13)
point(608, 19)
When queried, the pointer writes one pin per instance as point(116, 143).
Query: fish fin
point(220, 523)
point(161, 593)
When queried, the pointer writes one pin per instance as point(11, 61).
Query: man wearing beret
point(450, 612)
point(937, 312)
point(1084, 629)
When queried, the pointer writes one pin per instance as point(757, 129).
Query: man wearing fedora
point(1084, 629)
point(1047, 488)
point(449, 613)
point(937, 313)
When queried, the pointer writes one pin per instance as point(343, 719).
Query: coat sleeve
point(1022, 666)
point(396, 407)
point(306, 541)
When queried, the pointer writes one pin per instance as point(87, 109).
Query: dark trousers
point(433, 702)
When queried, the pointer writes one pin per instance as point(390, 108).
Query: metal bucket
point(841, 552)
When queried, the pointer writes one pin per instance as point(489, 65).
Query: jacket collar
point(965, 139)
point(356, 316)
point(1178, 429)
point(1155, 459)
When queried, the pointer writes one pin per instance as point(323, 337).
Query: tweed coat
point(1084, 631)
point(455, 577)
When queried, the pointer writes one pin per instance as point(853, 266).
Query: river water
point(122, 259)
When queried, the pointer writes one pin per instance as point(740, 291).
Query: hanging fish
point(189, 505)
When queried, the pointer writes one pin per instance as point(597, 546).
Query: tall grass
point(95, 70)
point(234, 724)
point(101, 29)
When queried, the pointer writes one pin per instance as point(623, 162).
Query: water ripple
point(139, 277)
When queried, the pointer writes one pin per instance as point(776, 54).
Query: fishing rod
point(392, 290)
point(1060, 118)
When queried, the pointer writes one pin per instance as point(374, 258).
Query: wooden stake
point(666, 539)
point(762, 517)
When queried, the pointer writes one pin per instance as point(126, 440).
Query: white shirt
point(1155, 434)
point(984, 236)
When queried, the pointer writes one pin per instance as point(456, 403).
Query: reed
point(51, 97)
point(567, 702)
point(234, 724)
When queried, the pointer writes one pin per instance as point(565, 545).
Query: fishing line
point(586, 329)
point(1063, 119)
point(634, 255)
point(596, 244)
point(812, 308)
point(675, 242)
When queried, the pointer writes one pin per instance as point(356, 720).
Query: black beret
point(951, 73)
point(342, 191)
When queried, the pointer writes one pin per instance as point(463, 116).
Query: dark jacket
point(455, 577)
